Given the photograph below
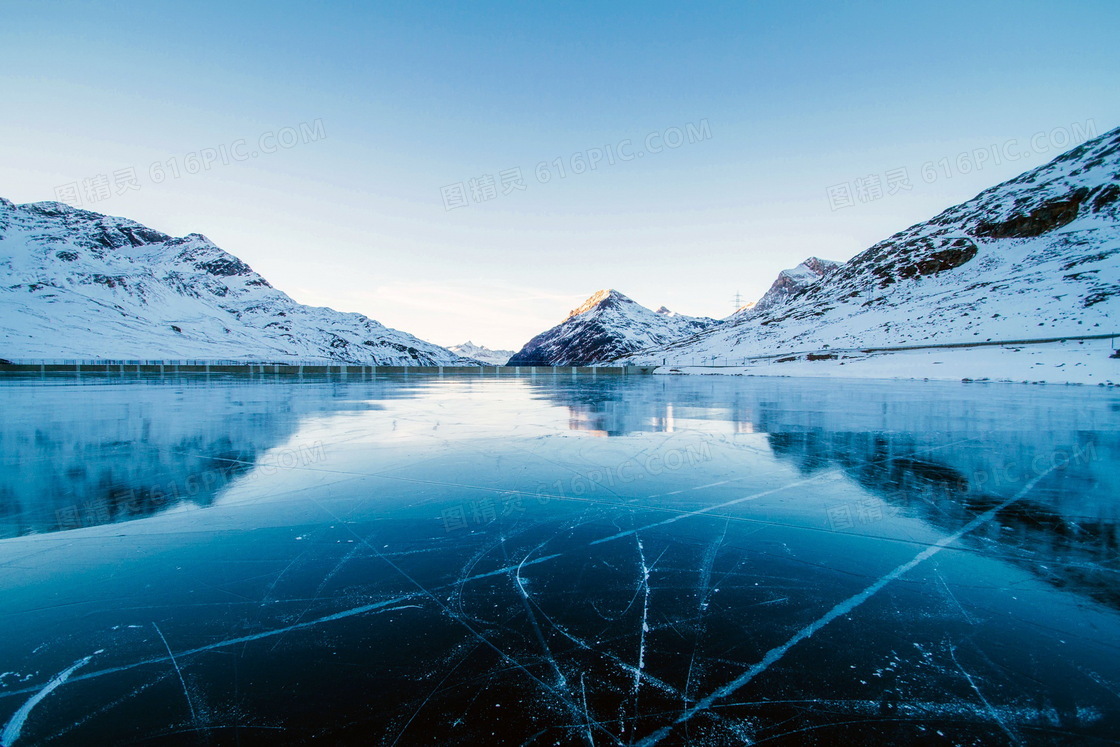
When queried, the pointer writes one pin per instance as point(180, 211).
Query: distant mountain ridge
point(791, 282)
point(605, 326)
point(482, 353)
point(78, 284)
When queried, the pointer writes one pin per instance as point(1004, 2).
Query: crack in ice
point(843, 608)
point(15, 724)
point(178, 671)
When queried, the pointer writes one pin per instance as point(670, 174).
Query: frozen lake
point(538, 561)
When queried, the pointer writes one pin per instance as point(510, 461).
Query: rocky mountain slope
point(77, 284)
point(482, 353)
point(791, 282)
point(1035, 257)
point(606, 326)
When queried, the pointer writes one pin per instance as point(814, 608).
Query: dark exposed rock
point(226, 266)
point(946, 259)
point(1104, 197)
point(110, 239)
point(57, 209)
point(141, 235)
point(109, 281)
point(1098, 257)
point(919, 258)
point(1048, 216)
point(1101, 294)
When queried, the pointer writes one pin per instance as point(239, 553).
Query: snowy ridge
point(482, 353)
point(78, 284)
point(1034, 257)
point(790, 283)
point(605, 326)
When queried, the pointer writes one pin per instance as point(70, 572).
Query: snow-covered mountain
point(790, 283)
point(1035, 257)
point(482, 353)
point(78, 284)
point(607, 325)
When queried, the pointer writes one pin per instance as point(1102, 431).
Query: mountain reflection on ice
point(543, 560)
point(101, 453)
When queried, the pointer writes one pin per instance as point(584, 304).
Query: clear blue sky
point(413, 97)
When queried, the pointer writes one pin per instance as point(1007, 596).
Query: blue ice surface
point(542, 560)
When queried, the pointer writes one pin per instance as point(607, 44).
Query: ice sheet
point(639, 560)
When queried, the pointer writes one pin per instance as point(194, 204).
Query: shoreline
point(1069, 363)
